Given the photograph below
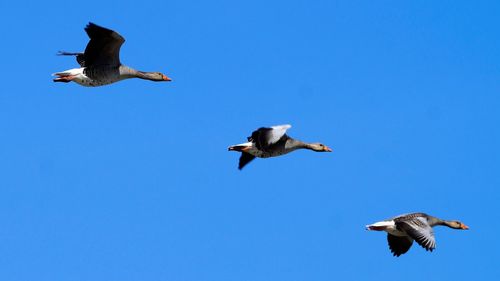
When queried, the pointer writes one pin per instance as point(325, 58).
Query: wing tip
point(283, 126)
point(396, 254)
point(90, 25)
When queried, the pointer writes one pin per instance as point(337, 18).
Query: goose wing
point(399, 244)
point(419, 230)
point(266, 137)
point(245, 158)
point(103, 47)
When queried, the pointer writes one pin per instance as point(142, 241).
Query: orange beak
point(327, 149)
point(165, 78)
point(464, 227)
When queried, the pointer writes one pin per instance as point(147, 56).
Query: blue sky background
point(133, 181)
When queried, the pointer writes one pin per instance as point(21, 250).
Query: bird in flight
point(100, 63)
point(271, 142)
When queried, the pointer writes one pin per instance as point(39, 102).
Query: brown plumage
point(100, 63)
point(271, 142)
point(404, 229)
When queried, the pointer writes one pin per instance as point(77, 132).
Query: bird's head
point(163, 77)
point(457, 225)
point(319, 147)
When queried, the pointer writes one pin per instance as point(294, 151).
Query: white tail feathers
point(69, 72)
point(381, 225)
point(239, 147)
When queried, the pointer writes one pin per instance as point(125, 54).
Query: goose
point(100, 63)
point(403, 229)
point(271, 142)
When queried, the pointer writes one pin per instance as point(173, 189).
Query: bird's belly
point(257, 153)
point(98, 76)
point(89, 82)
point(266, 154)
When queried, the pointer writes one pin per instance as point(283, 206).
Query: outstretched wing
point(245, 158)
point(266, 137)
point(399, 244)
point(103, 47)
point(418, 229)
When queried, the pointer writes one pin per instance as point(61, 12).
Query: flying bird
point(403, 229)
point(272, 142)
point(100, 63)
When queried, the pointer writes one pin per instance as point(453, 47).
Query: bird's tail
point(67, 75)
point(69, 72)
point(61, 79)
point(379, 226)
point(240, 147)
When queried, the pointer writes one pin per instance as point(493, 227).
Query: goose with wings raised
point(100, 63)
point(271, 142)
point(404, 229)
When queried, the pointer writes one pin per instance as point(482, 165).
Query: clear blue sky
point(133, 181)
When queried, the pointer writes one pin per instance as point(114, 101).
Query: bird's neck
point(128, 72)
point(298, 144)
point(433, 221)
